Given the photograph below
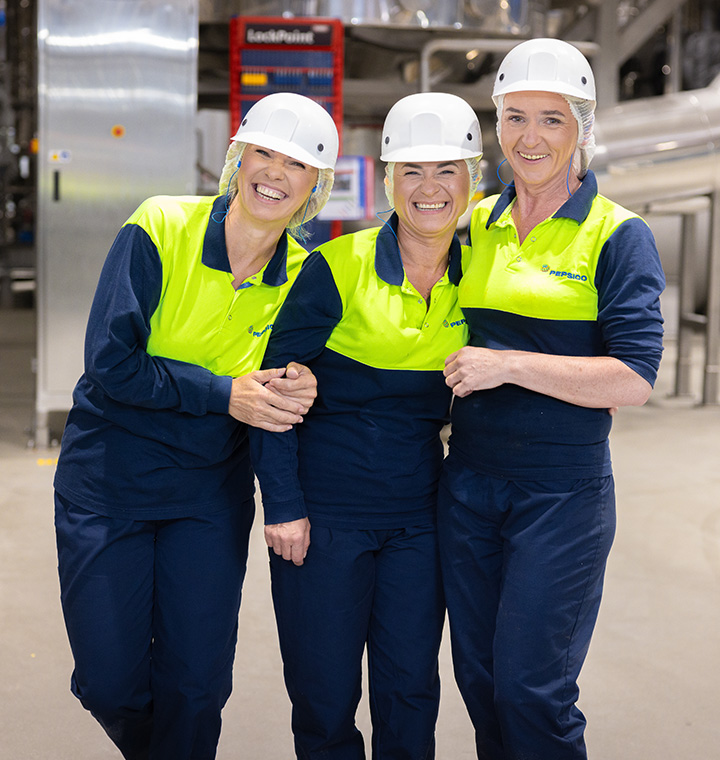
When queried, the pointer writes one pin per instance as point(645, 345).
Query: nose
point(530, 134)
point(429, 185)
point(276, 168)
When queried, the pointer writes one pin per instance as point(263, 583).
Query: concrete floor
point(651, 685)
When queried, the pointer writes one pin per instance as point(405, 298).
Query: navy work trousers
point(523, 566)
point(379, 588)
point(151, 610)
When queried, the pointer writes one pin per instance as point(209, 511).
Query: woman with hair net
point(562, 300)
point(374, 314)
point(154, 488)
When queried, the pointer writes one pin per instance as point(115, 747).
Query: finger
point(450, 359)
point(292, 371)
point(461, 391)
point(287, 550)
point(265, 375)
point(451, 379)
point(289, 386)
point(450, 368)
point(272, 428)
point(278, 404)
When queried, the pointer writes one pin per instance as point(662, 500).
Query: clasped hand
point(474, 369)
point(273, 399)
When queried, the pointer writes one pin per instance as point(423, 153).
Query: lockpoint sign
point(295, 35)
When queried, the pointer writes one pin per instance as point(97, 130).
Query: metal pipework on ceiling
point(659, 148)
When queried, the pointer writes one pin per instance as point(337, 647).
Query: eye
point(262, 152)
point(298, 164)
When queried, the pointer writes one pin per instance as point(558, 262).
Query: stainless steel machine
point(117, 89)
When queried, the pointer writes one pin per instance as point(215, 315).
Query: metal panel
point(117, 89)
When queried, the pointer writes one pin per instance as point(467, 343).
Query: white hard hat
point(545, 65)
point(294, 125)
point(431, 126)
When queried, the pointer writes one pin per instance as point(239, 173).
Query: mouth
point(430, 206)
point(533, 156)
point(269, 193)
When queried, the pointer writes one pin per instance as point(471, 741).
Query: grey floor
point(651, 685)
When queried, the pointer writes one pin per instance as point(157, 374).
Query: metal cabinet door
point(117, 89)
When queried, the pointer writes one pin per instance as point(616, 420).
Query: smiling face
point(538, 136)
point(430, 197)
point(273, 186)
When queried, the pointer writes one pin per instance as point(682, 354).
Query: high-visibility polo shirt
point(368, 454)
point(585, 282)
point(149, 435)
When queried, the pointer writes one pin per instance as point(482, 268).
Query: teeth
point(532, 157)
point(429, 206)
point(268, 192)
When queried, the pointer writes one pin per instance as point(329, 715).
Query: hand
point(298, 384)
point(254, 404)
point(290, 540)
point(474, 369)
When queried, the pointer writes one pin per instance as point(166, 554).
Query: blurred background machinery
point(104, 103)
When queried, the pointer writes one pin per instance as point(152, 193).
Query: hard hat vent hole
point(387, 141)
point(501, 77)
point(320, 148)
point(469, 136)
point(584, 80)
point(244, 122)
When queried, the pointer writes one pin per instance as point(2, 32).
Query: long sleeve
point(116, 358)
point(629, 281)
point(311, 310)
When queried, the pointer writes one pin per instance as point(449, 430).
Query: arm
point(128, 293)
point(117, 361)
point(597, 381)
point(629, 281)
point(311, 310)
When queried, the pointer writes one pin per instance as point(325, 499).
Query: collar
point(388, 262)
point(215, 255)
point(576, 207)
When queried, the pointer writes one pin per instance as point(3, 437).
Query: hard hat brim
point(431, 153)
point(559, 88)
point(282, 146)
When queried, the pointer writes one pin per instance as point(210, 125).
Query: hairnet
point(584, 113)
point(473, 166)
point(306, 212)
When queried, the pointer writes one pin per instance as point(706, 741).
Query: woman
point(374, 314)
point(154, 490)
point(562, 300)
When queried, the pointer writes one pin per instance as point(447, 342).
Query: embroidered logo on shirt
point(256, 334)
point(567, 275)
point(457, 323)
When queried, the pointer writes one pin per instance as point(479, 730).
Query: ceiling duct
point(504, 17)
point(660, 148)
